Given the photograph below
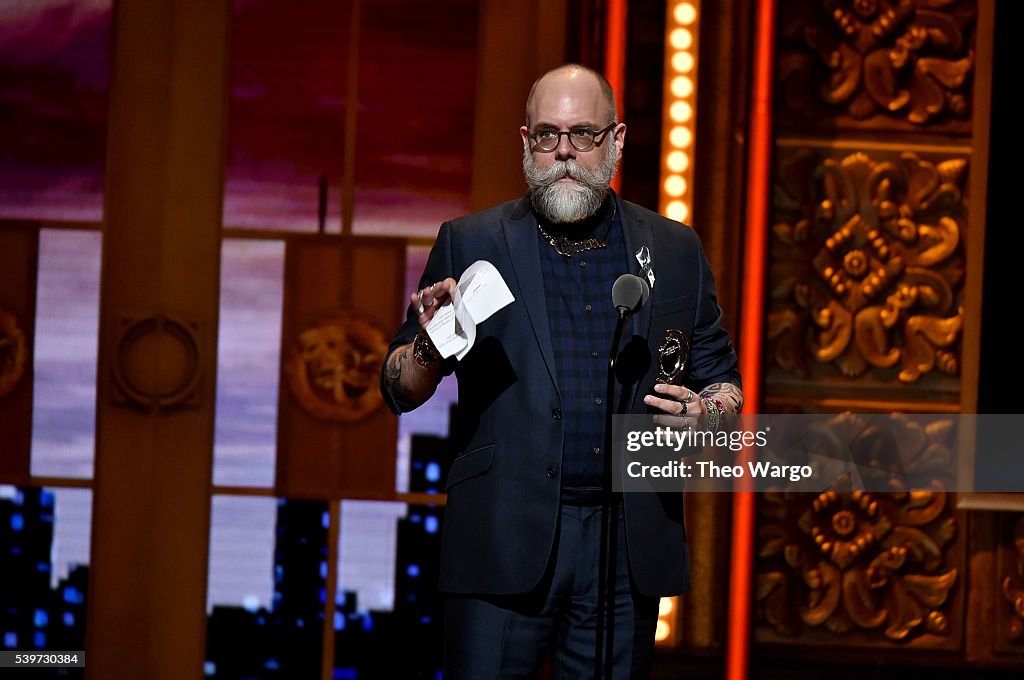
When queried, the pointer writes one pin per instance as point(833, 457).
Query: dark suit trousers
point(509, 636)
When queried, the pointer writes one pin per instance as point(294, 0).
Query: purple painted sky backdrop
point(289, 92)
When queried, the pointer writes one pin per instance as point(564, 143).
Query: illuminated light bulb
point(685, 13)
point(677, 161)
point(680, 112)
point(681, 39)
point(682, 62)
point(662, 632)
point(682, 86)
point(680, 137)
point(665, 606)
point(675, 186)
point(677, 210)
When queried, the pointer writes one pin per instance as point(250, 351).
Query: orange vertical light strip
point(615, 57)
point(679, 110)
point(676, 181)
point(752, 329)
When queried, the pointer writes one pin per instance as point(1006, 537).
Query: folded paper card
point(480, 293)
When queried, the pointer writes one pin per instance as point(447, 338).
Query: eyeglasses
point(581, 137)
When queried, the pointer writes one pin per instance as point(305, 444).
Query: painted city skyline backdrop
point(416, 70)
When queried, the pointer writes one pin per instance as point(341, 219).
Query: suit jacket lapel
point(638, 234)
point(521, 238)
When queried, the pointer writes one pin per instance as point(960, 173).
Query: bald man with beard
point(521, 537)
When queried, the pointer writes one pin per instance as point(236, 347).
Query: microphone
point(629, 294)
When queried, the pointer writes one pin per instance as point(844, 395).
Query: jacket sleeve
point(439, 267)
point(712, 357)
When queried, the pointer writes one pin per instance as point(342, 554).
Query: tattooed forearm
point(393, 373)
point(730, 395)
point(394, 369)
point(408, 381)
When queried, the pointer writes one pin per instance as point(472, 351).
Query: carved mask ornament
point(334, 366)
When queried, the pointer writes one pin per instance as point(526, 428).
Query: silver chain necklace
point(565, 246)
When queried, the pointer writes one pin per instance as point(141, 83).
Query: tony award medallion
point(673, 356)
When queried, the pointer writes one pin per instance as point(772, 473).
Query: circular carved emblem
point(333, 368)
point(141, 379)
point(13, 352)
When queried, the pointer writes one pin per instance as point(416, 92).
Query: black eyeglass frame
point(597, 134)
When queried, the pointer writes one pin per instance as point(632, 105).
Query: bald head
point(573, 107)
point(571, 79)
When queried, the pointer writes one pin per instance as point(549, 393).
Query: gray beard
point(566, 202)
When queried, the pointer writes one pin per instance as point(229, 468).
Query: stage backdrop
point(19, 250)
point(341, 294)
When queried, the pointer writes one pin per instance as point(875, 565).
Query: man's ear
point(620, 135)
point(524, 132)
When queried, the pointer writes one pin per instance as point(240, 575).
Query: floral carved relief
point(867, 265)
point(843, 562)
point(907, 60)
point(1013, 586)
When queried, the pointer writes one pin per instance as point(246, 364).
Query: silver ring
point(683, 411)
point(421, 308)
point(689, 395)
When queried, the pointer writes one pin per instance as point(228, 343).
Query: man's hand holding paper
point(479, 293)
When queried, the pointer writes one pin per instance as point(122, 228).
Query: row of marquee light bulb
point(678, 122)
point(677, 149)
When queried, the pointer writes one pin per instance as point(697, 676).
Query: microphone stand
point(604, 656)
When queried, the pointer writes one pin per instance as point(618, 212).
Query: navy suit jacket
point(503, 488)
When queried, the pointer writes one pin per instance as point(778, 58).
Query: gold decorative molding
point(878, 61)
point(157, 363)
point(1013, 586)
point(13, 352)
point(867, 267)
point(333, 368)
point(845, 562)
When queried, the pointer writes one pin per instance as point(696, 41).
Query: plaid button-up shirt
point(582, 321)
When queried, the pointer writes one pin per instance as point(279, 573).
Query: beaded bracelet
point(713, 408)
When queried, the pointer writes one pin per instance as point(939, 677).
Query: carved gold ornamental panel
point(1009, 629)
point(876, 64)
point(859, 568)
point(867, 268)
point(881, 107)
